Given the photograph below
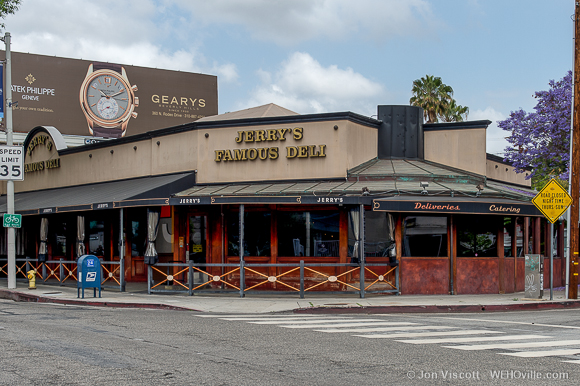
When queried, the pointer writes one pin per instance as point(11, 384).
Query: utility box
point(534, 284)
point(89, 274)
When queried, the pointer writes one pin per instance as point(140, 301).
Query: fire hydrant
point(31, 279)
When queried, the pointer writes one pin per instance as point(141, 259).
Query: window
point(59, 242)
point(425, 236)
point(508, 236)
point(138, 237)
point(256, 233)
point(379, 234)
point(477, 235)
point(312, 234)
point(97, 237)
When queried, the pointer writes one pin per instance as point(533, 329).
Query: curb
point(24, 297)
point(571, 304)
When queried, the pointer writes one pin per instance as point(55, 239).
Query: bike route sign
point(12, 220)
point(552, 200)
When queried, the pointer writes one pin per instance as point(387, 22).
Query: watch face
point(107, 97)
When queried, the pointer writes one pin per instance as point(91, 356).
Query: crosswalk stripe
point(575, 361)
point(263, 319)
point(548, 353)
point(265, 315)
point(339, 325)
point(473, 339)
point(306, 322)
point(437, 333)
point(517, 345)
point(383, 329)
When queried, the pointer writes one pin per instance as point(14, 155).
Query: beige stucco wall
point(92, 165)
point(500, 171)
point(351, 144)
point(458, 148)
point(348, 146)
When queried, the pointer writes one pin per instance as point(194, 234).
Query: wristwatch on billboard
point(108, 100)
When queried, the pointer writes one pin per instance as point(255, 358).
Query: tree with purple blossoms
point(540, 140)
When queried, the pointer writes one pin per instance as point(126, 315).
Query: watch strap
point(107, 132)
point(107, 66)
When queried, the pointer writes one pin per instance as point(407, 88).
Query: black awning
point(107, 195)
point(460, 205)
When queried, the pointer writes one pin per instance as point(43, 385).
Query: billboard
point(89, 98)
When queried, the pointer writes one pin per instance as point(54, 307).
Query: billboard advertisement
point(108, 100)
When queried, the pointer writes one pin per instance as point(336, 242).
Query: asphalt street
point(54, 344)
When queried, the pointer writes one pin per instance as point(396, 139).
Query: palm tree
point(454, 112)
point(432, 95)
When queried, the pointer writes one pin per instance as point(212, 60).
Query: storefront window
point(312, 234)
point(97, 237)
point(508, 233)
point(256, 233)
point(425, 236)
point(508, 241)
point(59, 241)
point(138, 237)
point(197, 238)
point(520, 237)
point(477, 236)
point(379, 234)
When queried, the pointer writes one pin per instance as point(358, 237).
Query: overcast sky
point(314, 56)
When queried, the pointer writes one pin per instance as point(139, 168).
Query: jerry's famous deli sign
point(475, 206)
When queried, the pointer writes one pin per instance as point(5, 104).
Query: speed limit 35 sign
point(11, 163)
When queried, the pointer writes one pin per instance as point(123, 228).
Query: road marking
point(265, 319)
point(517, 345)
point(266, 315)
point(339, 325)
point(439, 333)
point(507, 322)
point(550, 353)
point(474, 339)
point(322, 321)
point(577, 362)
point(382, 329)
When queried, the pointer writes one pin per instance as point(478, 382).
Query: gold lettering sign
point(41, 165)
point(273, 152)
point(39, 140)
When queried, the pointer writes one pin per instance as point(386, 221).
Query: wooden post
point(501, 256)
point(537, 236)
point(575, 163)
point(515, 252)
point(399, 246)
point(526, 235)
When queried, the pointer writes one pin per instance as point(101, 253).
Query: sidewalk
point(136, 297)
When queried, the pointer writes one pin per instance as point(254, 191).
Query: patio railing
point(291, 278)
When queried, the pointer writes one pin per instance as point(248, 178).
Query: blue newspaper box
point(89, 274)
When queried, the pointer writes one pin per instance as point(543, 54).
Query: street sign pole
point(10, 183)
point(551, 261)
point(552, 201)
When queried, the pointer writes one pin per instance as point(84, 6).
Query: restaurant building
point(416, 208)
